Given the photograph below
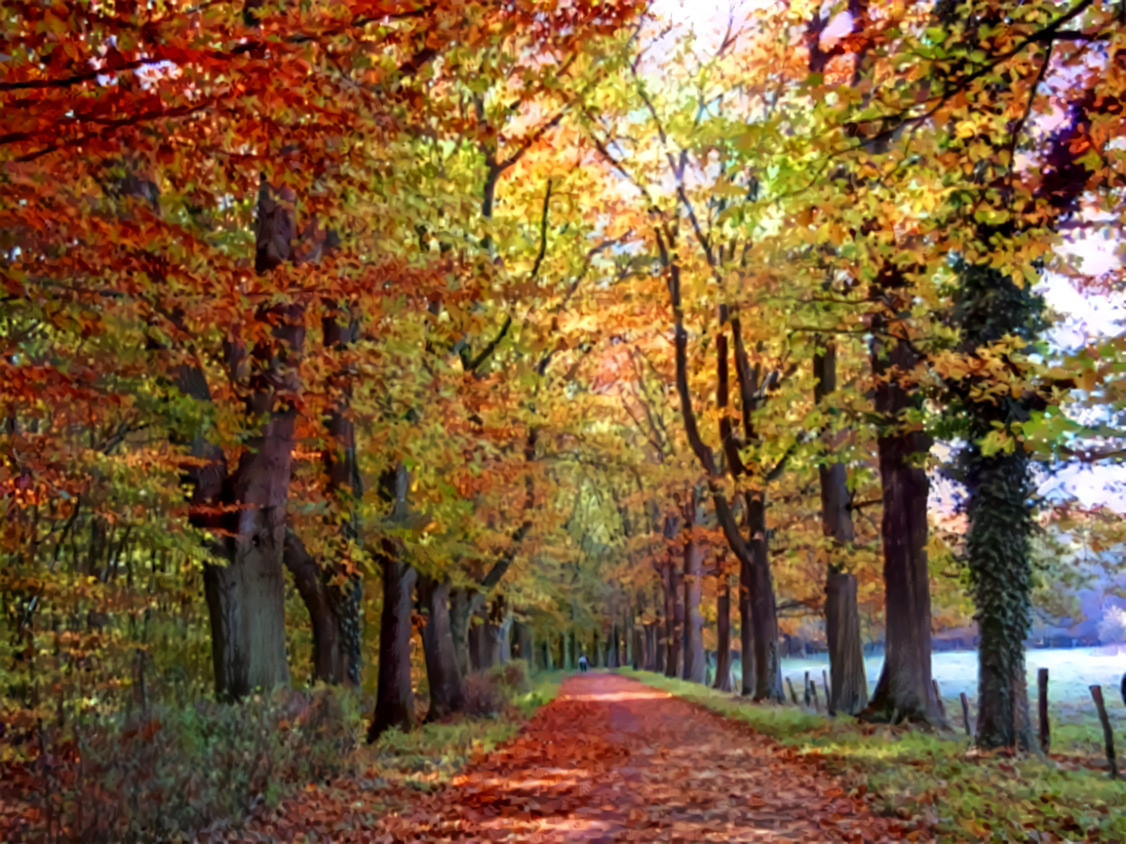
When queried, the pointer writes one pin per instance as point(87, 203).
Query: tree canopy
point(370, 342)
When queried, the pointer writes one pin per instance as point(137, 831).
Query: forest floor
point(612, 759)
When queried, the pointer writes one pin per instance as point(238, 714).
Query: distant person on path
point(584, 664)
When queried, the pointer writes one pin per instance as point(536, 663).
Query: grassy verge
point(428, 756)
point(912, 773)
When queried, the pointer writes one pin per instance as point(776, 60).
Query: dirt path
point(614, 760)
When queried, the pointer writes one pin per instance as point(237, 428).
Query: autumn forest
point(368, 368)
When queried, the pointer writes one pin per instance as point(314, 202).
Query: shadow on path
point(612, 759)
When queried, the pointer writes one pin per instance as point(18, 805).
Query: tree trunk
point(480, 643)
point(522, 634)
point(991, 307)
point(764, 615)
point(459, 628)
point(246, 597)
point(848, 690)
point(442, 672)
point(501, 643)
point(345, 486)
point(905, 689)
point(246, 602)
point(394, 706)
point(723, 632)
point(756, 586)
point(308, 577)
point(394, 703)
point(629, 639)
point(614, 657)
point(746, 630)
point(1001, 582)
point(674, 617)
point(695, 661)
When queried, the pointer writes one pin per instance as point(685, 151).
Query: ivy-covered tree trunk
point(990, 308)
point(443, 675)
point(723, 634)
point(334, 607)
point(997, 551)
point(905, 689)
point(695, 662)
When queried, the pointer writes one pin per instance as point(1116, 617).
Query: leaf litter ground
point(612, 759)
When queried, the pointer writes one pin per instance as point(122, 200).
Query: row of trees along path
point(494, 319)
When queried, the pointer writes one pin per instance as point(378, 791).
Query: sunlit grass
point(430, 755)
point(916, 773)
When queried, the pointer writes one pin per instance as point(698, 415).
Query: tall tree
point(994, 387)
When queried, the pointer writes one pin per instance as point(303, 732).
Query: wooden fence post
point(1108, 733)
point(938, 697)
point(793, 694)
point(966, 712)
point(1042, 705)
point(813, 694)
point(808, 699)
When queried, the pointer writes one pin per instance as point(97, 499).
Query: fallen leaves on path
point(614, 760)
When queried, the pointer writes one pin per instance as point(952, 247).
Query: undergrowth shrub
point(172, 772)
point(481, 696)
point(511, 679)
point(491, 691)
